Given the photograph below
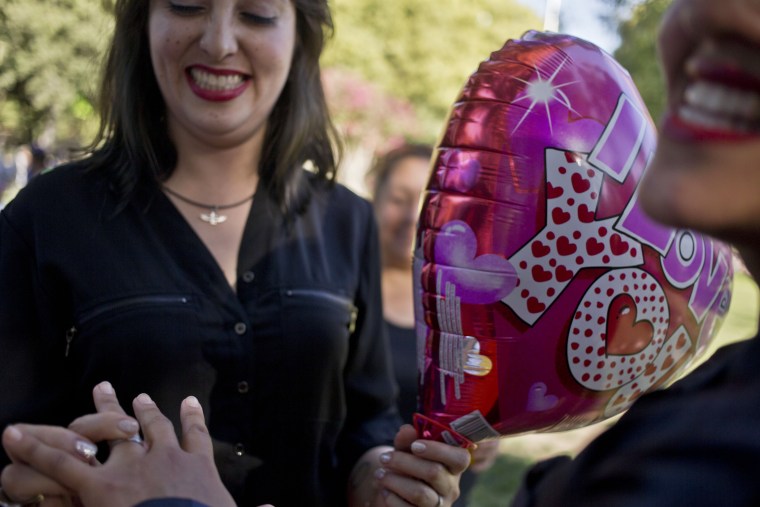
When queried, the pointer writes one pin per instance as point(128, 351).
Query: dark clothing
point(403, 341)
point(292, 369)
point(696, 443)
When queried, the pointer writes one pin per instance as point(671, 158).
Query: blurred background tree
point(49, 57)
point(638, 49)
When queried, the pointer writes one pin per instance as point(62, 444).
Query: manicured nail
point(13, 433)
point(192, 401)
point(379, 473)
point(86, 449)
point(385, 457)
point(129, 426)
point(143, 399)
point(418, 447)
point(105, 388)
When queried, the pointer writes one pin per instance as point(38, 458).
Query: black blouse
point(292, 369)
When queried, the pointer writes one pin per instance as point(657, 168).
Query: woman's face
point(396, 207)
point(220, 65)
point(706, 171)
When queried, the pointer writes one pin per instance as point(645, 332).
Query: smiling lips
point(216, 85)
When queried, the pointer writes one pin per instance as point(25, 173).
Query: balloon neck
point(429, 429)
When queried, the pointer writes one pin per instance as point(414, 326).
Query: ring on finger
point(6, 501)
point(440, 501)
point(135, 439)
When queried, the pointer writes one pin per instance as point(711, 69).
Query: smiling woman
point(192, 254)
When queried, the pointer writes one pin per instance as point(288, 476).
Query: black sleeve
point(34, 387)
point(371, 391)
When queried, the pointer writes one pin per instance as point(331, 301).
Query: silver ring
point(440, 501)
point(135, 439)
point(6, 501)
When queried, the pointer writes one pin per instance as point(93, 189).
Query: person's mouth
point(216, 84)
point(720, 109)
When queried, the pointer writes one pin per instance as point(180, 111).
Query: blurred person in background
point(397, 180)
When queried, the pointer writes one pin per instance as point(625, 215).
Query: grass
point(497, 486)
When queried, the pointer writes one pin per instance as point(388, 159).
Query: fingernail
point(129, 426)
point(379, 473)
point(143, 399)
point(418, 447)
point(86, 449)
point(192, 401)
point(385, 457)
point(13, 433)
point(105, 387)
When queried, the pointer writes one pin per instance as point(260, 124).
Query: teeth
point(705, 119)
point(720, 100)
point(215, 82)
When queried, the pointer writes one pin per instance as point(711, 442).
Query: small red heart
point(540, 274)
point(553, 192)
point(594, 247)
point(625, 335)
point(563, 274)
point(580, 184)
point(667, 363)
point(618, 245)
point(539, 249)
point(620, 399)
point(681, 341)
point(585, 215)
point(564, 247)
point(650, 369)
point(535, 306)
point(560, 216)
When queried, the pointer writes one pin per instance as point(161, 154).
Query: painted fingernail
point(86, 449)
point(129, 426)
point(192, 401)
point(13, 433)
point(143, 399)
point(418, 447)
point(379, 473)
point(385, 457)
point(105, 387)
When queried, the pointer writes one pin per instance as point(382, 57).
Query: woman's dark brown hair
point(384, 165)
point(133, 142)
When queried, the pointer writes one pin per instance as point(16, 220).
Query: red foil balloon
point(546, 299)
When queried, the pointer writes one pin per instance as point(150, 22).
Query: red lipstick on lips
point(220, 95)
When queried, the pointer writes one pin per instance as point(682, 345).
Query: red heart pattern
point(549, 262)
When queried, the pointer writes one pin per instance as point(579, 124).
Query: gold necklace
point(212, 217)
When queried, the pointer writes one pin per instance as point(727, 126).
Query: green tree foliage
point(49, 58)
point(422, 51)
point(638, 53)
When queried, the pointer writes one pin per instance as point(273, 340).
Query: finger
point(158, 430)
point(405, 438)
point(105, 399)
point(400, 490)
point(455, 459)
point(195, 437)
point(54, 436)
point(416, 472)
point(21, 481)
point(105, 426)
point(59, 465)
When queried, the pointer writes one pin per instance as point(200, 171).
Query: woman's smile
point(216, 85)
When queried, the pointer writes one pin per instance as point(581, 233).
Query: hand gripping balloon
point(545, 298)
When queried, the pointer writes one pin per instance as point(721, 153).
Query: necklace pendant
point(213, 218)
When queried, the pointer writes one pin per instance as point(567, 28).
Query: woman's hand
point(162, 467)
point(419, 472)
point(21, 482)
point(484, 455)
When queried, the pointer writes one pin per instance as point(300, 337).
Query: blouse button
point(242, 387)
point(240, 328)
point(248, 276)
point(239, 449)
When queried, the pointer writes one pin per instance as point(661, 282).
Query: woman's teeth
point(717, 106)
point(216, 82)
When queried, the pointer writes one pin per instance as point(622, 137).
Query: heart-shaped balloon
point(546, 299)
